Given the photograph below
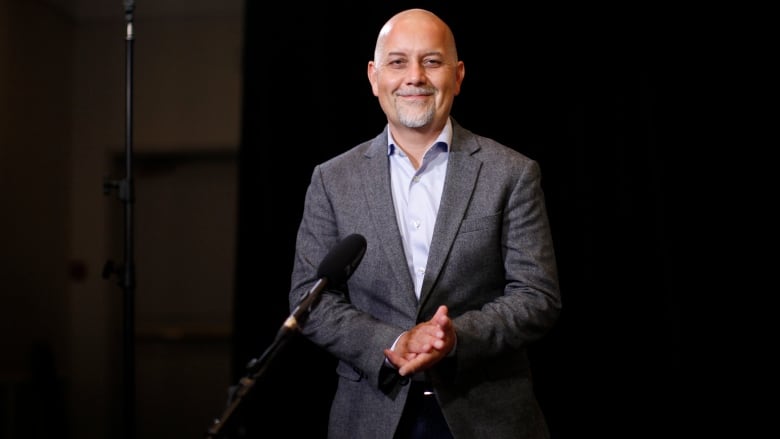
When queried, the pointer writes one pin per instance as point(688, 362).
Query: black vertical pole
point(129, 272)
point(126, 272)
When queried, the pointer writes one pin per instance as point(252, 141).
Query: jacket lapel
point(382, 211)
point(462, 172)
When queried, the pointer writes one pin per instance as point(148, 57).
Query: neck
point(415, 141)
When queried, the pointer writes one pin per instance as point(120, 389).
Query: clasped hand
point(424, 345)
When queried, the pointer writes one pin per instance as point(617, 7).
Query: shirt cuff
point(392, 348)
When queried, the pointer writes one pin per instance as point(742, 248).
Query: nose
point(416, 73)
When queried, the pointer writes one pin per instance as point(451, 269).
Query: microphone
point(336, 267)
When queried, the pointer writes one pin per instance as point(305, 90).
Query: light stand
point(126, 272)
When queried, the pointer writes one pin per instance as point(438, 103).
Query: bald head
point(416, 75)
point(415, 20)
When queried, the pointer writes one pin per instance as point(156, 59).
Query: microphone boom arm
point(257, 366)
point(337, 266)
point(301, 312)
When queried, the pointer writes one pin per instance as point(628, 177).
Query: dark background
point(584, 92)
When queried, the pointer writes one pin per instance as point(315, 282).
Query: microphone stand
point(126, 273)
point(257, 366)
point(336, 268)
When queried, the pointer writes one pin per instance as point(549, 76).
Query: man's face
point(416, 74)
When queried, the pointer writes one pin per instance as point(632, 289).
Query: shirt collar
point(445, 138)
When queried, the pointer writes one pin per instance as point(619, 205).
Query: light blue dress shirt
point(416, 195)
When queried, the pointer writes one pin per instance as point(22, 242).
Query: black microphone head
point(337, 266)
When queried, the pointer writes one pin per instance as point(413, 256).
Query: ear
point(372, 72)
point(460, 73)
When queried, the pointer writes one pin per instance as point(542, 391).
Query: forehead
point(415, 37)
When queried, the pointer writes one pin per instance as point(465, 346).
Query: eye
point(397, 63)
point(432, 63)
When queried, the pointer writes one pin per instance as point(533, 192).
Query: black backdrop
point(580, 91)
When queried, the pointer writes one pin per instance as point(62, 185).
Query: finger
point(420, 363)
point(441, 311)
point(396, 359)
point(410, 367)
point(418, 343)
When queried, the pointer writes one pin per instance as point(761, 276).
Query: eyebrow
point(400, 53)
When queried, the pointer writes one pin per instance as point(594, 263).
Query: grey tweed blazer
point(491, 262)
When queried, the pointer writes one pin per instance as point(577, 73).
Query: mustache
point(417, 91)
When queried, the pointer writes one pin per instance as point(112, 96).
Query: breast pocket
point(475, 224)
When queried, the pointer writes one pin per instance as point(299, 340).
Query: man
point(459, 273)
